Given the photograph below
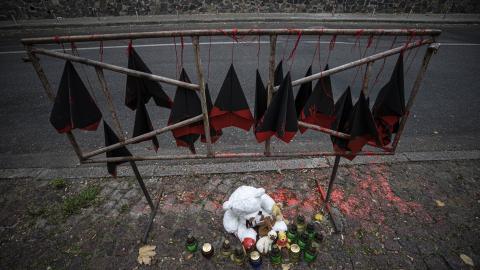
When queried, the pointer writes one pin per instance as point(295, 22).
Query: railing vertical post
point(201, 83)
point(108, 97)
point(133, 164)
point(51, 95)
point(119, 128)
point(271, 78)
point(416, 87)
point(366, 77)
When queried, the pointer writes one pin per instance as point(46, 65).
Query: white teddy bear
point(243, 209)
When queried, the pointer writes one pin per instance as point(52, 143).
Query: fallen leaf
point(286, 266)
point(467, 260)
point(439, 203)
point(145, 254)
point(189, 256)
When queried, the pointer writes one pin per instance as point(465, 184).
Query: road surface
point(444, 117)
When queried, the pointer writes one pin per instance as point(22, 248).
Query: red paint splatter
point(372, 192)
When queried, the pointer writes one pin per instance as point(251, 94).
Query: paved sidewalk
point(205, 166)
point(244, 17)
point(398, 215)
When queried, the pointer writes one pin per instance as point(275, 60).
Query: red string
point(176, 56)
point(414, 55)
point(299, 36)
point(73, 47)
point(101, 50)
point(182, 45)
point(234, 39)
point(369, 42)
point(376, 44)
point(130, 47)
point(57, 40)
point(291, 57)
point(209, 48)
point(358, 34)
point(285, 47)
point(412, 36)
point(383, 64)
point(233, 36)
point(258, 53)
point(331, 46)
point(317, 48)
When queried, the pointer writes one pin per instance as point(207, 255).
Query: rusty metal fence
point(84, 157)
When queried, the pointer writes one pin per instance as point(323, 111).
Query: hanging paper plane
point(343, 110)
point(389, 106)
point(111, 138)
point(278, 75)
point(143, 124)
point(303, 93)
point(214, 133)
point(319, 108)
point(280, 119)
point(74, 107)
point(360, 126)
point(186, 104)
point(261, 97)
point(231, 107)
point(139, 86)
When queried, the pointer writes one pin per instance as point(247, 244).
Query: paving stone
point(388, 211)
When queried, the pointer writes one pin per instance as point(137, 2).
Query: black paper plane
point(303, 93)
point(231, 107)
point(319, 108)
point(143, 124)
point(278, 75)
point(186, 104)
point(261, 99)
point(111, 138)
point(214, 134)
point(280, 119)
point(343, 110)
point(73, 106)
point(389, 106)
point(360, 126)
point(144, 87)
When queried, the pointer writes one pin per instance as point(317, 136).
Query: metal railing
point(87, 157)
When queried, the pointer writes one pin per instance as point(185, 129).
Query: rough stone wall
point(28, 9)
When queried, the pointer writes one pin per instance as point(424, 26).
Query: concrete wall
point(28, 9)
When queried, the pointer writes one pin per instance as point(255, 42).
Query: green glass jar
point(310, 230)
point(238, 257)
point(310, 254)
point(292, 233)
point(303, 241)
point(300, 222)
point(294, 254)
point(317, 240)
point(226, 249)
point(275, 256)
point(207, 250)
point(192, 244)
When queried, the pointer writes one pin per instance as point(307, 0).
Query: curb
point(235, 18)
point(149, 171)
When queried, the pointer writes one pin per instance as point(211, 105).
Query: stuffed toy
point(249, 208)
point(264, 244)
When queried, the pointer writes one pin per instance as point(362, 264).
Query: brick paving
point(389, 211)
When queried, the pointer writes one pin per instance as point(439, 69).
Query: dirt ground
point(417, 215)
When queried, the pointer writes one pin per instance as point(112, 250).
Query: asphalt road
point(445, 115)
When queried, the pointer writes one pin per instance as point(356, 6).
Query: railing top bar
point(242, 32)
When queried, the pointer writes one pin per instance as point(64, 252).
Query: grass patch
point(73, 204)
point(58, 183)
point(124, 208)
